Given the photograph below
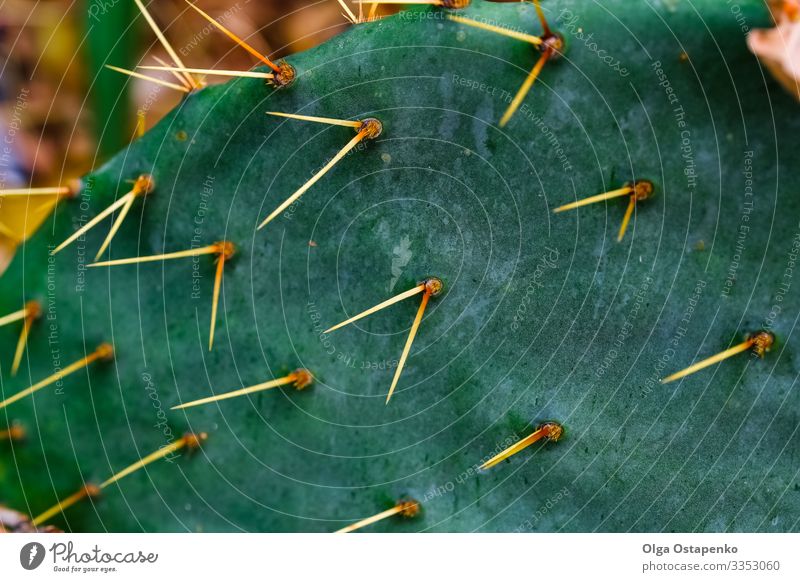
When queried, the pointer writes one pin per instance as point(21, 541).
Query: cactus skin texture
point(543, 316)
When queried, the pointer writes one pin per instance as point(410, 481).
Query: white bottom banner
point(391, 557)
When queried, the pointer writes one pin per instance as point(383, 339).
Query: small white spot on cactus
point(401, 256)
point(387, 158)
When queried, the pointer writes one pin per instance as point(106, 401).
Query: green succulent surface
point(543, 316)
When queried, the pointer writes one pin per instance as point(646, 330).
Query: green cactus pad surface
point(543, 316)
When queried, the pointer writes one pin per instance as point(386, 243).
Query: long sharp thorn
point(304, 188)
point(257, 388)
point(397, 298)
point(350, 16)
point(373, 11)
point(300, 379)
point(529, 38)
point(593, 199)
point(761, 342)
point(737, 349)
point(370, 520)
point(117, 223)
point(13, 317)
point(513, 449)
point(327, 120)
point(155, 80)
point(104, 352)
point(64, 504)
point(164, 42)
point(526, 86)
point(190, 440)
point(236, 39)
point(220, 72)
point(50, 191)
point(542, 19)
point(21, 343)
point(141, 123)
point(33, 312)
point(215, 299)
point(209, 250)
point(552, 431)
point(626, 219)
point(92, 223)
point(407, 508)
point(411, 335)
point(175, 73)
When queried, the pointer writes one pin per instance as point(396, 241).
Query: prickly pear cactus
point(543, 316)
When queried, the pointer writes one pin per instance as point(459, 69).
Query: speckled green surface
point(544, 316)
